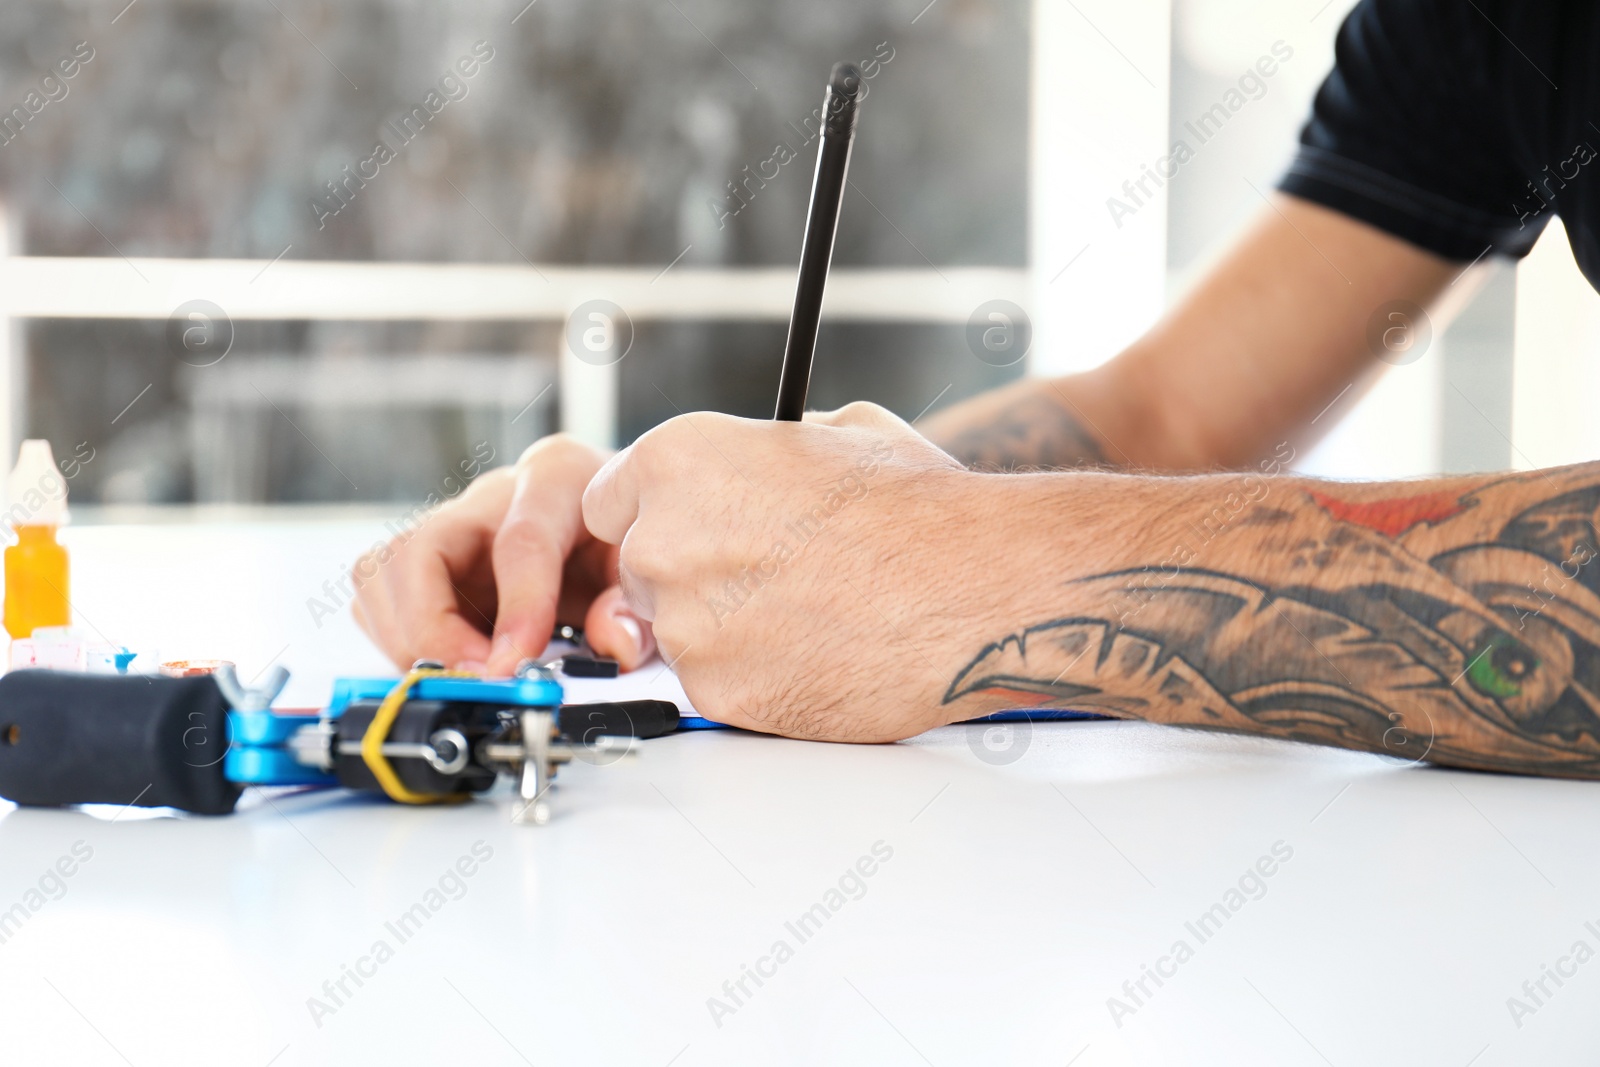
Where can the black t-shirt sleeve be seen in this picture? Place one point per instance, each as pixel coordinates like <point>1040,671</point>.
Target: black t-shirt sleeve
<point>1408,132</point>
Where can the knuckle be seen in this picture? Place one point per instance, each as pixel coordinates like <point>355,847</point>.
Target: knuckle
<point>854,413</point>
<point>864,413</point>
<point>673,636</point>
<point>860,411</point>
<point>558,448</point>
<point>681,449</point>
<point>523,543</point>
<point>669,440</point>
<point>488,482</point>
<point>646,452</point>
<point>517,532</point>
<point>641,556</point>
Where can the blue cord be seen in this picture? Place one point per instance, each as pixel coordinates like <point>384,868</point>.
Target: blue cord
<point>695,722</point>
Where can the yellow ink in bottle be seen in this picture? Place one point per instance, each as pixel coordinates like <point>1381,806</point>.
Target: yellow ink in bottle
<point>37,578</point>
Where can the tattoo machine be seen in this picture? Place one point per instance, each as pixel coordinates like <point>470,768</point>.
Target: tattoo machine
<point>433,736</point>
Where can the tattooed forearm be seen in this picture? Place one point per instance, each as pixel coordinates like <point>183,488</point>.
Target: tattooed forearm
<point>1459,625</point>
<point>1033,433</point>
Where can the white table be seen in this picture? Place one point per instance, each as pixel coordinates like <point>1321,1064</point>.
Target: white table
<point>1019,897</point>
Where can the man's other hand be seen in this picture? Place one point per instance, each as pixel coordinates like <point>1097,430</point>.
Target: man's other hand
<point>483,580</point>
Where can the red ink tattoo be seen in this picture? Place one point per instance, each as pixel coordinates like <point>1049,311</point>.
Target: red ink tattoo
<point>1396,515</point>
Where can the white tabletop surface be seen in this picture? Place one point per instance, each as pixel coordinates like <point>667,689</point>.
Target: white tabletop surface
<point>1020,892</point>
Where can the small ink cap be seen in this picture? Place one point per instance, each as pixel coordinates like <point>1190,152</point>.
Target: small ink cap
<point>844,92</point>
<point>36,491</point>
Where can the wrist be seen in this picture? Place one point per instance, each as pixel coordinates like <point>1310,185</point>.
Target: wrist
<point>1013,549</point>
<point>1068,569</point>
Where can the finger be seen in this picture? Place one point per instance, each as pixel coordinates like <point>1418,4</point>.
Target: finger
<point>371,603</point>
<point>375,608</point>
<point>614,630</point>
<point>433,608</point>
<point>611,502</point>
<point>408,591</point>
<point>542,524</point>
<point>453,641</point>
<point>374,614</point>
<point>433,578</point>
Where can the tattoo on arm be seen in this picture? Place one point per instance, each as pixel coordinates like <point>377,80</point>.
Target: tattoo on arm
<point>1034,433</point>
<point>1458,628</point>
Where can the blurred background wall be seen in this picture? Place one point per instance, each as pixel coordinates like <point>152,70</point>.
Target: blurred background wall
<point>644,138</point>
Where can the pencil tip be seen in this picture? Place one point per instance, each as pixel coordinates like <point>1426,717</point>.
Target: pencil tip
<point>845,80</point>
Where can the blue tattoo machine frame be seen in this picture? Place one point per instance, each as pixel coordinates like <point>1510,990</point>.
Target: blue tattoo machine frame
<point>431,737</point>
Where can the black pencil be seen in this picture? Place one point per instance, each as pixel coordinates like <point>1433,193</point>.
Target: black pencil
<point>839,107</point>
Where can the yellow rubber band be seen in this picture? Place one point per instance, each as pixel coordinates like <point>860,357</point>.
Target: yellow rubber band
<point>378,732</point>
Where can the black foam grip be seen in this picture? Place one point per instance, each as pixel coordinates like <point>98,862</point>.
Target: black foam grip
<point>104,739</point>
<point>623,718</point>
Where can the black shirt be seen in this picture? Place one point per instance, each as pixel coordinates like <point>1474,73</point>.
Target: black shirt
<point>1462,126</point>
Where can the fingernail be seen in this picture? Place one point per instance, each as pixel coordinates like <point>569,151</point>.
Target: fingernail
<point>501,646</point>
<point>630,626</point>
<point>472,666</point>
<point>635,631</point>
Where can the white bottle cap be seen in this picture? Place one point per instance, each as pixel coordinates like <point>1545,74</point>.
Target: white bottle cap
<point>36,492</point>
